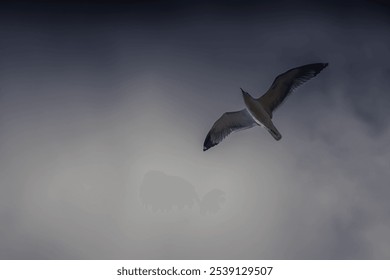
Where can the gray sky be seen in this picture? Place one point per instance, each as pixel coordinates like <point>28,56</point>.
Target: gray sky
<point>103,113</point>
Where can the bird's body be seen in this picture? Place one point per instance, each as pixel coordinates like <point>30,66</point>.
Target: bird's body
<point>259,111</point>
<point>260,114</point>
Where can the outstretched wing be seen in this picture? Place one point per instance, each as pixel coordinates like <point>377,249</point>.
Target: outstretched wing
<point>226,124</point>
<point>285,83</point>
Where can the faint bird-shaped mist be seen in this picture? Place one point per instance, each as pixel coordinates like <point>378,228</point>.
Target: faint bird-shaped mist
<point>211,201</point>
<point>160,192</point>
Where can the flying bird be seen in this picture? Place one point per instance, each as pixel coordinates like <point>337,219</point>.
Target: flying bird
<point>259,111</point>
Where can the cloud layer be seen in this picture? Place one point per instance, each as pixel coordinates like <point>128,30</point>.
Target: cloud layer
<point>90,110</point>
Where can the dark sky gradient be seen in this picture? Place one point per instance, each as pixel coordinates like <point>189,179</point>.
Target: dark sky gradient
<point>104,107</point>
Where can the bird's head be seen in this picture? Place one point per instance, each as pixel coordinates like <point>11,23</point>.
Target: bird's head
<point>244,93</point>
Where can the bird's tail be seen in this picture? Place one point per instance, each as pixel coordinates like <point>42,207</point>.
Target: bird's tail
<point>275,133</point>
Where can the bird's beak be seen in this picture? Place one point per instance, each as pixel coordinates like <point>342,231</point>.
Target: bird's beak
<point>243,92</point>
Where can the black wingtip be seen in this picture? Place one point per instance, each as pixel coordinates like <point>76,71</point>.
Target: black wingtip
<point>318,67</point>
<point>208,143</point>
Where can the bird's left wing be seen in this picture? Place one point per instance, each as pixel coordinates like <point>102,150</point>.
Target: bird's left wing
<point>285,83</point>
<point>226,124</point>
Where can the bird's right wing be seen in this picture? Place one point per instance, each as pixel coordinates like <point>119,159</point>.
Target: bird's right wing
<point>226,124</point>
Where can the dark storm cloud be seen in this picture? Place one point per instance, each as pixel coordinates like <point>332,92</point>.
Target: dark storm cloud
<point>95,98</point>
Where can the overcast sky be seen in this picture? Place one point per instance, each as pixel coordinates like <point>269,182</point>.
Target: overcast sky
<point>104,109</point>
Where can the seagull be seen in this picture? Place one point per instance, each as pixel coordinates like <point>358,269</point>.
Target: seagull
<point>259,111</point>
